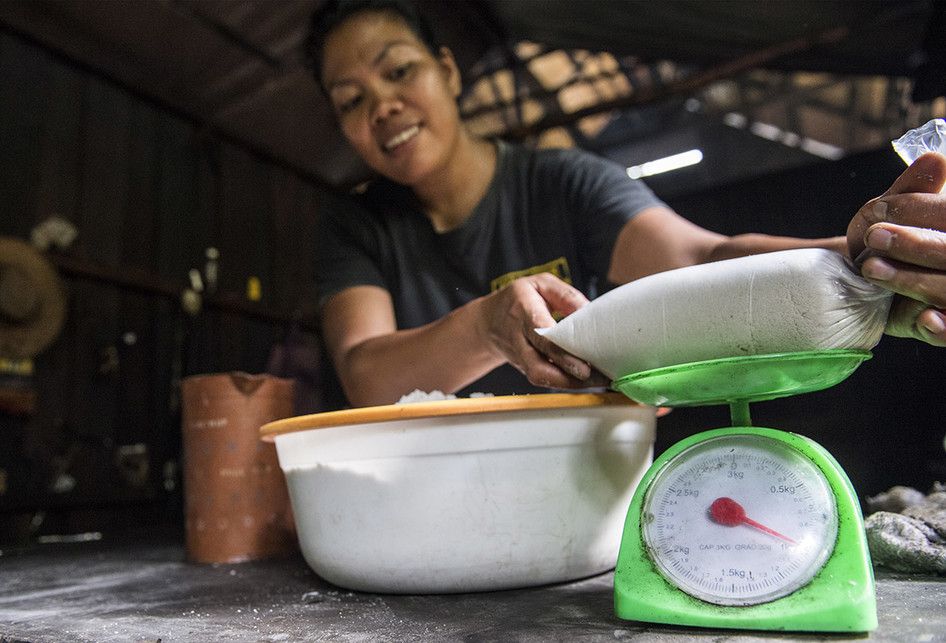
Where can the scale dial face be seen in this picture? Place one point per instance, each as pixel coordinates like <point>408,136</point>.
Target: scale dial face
<point>739,520</point>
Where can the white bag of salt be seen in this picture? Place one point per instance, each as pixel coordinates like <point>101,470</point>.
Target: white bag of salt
<point>787,301</point>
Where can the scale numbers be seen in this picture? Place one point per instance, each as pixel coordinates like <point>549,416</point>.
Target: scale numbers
<point>739,520</point>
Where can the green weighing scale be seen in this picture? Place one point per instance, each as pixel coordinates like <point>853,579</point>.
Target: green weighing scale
<point>745,527</point>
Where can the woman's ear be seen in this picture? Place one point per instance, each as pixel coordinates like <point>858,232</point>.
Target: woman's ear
<point>449,65</point>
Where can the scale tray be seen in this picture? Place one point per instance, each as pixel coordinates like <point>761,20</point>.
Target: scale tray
<point>752,378</point>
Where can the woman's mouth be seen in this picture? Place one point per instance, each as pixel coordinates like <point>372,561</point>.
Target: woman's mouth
<point>401,138</point>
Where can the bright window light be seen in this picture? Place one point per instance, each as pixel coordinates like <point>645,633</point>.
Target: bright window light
<point>765,130</point>
<point>735,119</point>
<point>666,164</point>
<point>824,150</point>
<point>791,139</point>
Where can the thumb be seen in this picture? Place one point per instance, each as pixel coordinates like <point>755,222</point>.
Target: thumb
<point>560,297</point>
<point>927,174</point>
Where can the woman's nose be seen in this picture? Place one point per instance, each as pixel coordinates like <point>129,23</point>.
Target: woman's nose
<point>386,103</point>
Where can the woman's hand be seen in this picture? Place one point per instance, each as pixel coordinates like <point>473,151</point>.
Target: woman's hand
<point>508,321</point>
<point>902,234</point>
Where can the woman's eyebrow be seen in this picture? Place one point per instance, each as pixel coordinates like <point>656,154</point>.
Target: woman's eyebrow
<point>377,60</point>
<point>387,48</point>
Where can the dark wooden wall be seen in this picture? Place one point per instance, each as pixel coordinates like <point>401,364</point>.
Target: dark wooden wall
<point>148,192</point>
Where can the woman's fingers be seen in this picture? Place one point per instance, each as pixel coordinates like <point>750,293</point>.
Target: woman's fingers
<point>563,299</point>
<point>543,370</point>
<point>924,285</point>
<point>931,326</point>
<point>923,247</point>
<point>909,257</point>
<point>916,209</point>
<point>901,239</point>
<point>914,319</point>
<point>560,297</point>
<point>529,303</point>
<point>912,200</point>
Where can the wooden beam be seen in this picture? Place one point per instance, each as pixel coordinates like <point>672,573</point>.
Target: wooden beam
<point>689,84</point>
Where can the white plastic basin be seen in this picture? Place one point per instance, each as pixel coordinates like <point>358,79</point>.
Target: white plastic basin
<point>464,495</point>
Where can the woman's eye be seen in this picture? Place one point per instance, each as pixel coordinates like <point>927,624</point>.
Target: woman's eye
<point>348,105</point>
<point>400,71</point>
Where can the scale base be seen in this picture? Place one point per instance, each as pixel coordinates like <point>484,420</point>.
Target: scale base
<point>844,615</point>
<point>840,598</point>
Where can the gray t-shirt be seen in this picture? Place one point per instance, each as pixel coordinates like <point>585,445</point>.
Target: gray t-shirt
<point>557,211</point>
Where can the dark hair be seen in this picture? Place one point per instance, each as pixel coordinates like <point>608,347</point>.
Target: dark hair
<point>332,13</point>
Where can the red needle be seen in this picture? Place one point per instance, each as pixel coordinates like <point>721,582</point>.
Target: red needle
<point>729,513</point>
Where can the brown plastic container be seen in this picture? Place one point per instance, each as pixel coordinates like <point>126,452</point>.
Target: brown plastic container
<point>235,499</point>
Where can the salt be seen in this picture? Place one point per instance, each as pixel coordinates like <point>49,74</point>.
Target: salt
<point>787,301</point>
<point>418,395</point>
<point>434,396</point>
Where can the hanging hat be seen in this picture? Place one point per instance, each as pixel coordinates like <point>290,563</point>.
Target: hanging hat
<point>32,300</point>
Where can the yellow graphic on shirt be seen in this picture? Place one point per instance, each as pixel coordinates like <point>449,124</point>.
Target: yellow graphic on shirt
<point>558,267</point>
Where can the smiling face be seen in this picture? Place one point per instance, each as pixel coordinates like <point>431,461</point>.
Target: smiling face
<point>395,101</point>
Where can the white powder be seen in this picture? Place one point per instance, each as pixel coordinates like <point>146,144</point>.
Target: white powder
<point>418,395</point>
<point>793,300</point>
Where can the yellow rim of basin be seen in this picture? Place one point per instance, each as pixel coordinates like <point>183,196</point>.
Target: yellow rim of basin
<point>440,408</point>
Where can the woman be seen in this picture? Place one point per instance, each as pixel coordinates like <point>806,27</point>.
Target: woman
<point>439,276</point>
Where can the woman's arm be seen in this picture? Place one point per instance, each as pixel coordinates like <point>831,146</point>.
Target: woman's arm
<point>376,363</point>
<point>905,230</point>
<point>659,239</point>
